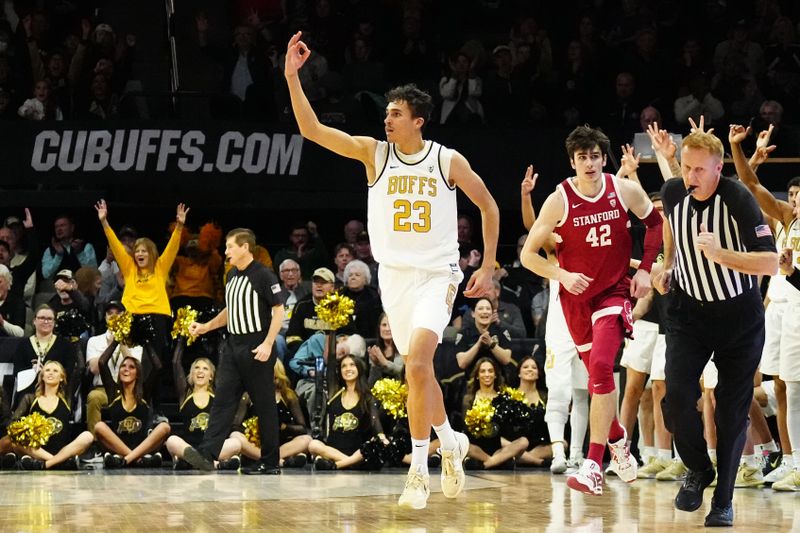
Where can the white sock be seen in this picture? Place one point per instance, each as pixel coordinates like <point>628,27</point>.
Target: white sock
<point>648,451</point>
<point>712,454</point>
<point>749,460</point>
<point>769,447</point>
<point>664,455</point>
<point>447,437</point>
<point>796,457</point>
<point>788,460</point>
<point>419,454</point>
<point>558,449</point>
<point>556,431</point>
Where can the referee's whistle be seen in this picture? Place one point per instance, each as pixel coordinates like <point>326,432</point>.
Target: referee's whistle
<point>690,189</point>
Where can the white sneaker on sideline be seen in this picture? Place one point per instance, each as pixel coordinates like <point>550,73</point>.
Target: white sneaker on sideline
<point>780,472</point>
<point>559,464</point>
<point>623,463</point>
<point>453,477</point>
<point>415,493</point>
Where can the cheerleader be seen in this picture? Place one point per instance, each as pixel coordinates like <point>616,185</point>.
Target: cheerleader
<point>293,432</point>
<point>351,420</point>
<point>50,401</point>
<point>539,448</point>
<point>485,382</point>
<point>195,391</point>
<point>127,438</point>
<point>146,274</point>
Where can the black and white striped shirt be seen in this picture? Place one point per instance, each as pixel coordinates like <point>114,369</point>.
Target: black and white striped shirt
<point>250,295</point>
<point>733,216</point>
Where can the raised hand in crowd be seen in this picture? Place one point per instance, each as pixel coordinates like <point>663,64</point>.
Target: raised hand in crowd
<point>699,127</point>
<point>180,216</point>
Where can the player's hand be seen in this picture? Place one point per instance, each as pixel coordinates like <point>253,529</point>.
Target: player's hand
<point>737,133</point>
<point>762,141</point>
<point>574,282</point>
<point>640,284</point>
<point>706,242</point>
<point>630,161</point>
<point>297,53</point>
<point>529,181</point>
<point>661,279</point>
<point>785,261</point>
<point>480,283</point>
<point>661,141</point>
<point>263,351</point>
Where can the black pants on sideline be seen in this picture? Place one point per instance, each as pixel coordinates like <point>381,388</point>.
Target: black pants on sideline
<point>238,371</point>
<point>734,331</point>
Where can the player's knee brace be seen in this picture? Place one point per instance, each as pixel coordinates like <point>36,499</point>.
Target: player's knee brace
<point>607,337</point>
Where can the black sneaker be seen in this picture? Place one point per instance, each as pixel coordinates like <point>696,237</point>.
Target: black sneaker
<point>9,461</point>
<point>150,461</point>
<point>180,464</point>
<point>690,495</point>
<point>198,461</point>
<point>112,461</point>
<point>259,468</point>
<point>720,516</point>
<point>230,464</point>
<point>73,463</point>
<point>295,461</point>
<point>29,463</point>
<point>320,463</point>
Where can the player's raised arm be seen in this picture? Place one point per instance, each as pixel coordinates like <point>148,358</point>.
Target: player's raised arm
<point>354,147</point>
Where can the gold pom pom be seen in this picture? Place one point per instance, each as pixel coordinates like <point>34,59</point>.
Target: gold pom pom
<point>392,395</point>
<point>336,310</point>
<point>120,327</point>
<point>32,431</point>
<point>479,418</point>
<point>251,431</point>
<point>514,394</point>
<point>183,319</point>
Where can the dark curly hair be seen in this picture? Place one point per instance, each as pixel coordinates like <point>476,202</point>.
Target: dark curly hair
<point>420,102</point>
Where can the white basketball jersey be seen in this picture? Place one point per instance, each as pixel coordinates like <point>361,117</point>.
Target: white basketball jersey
<point>411,208</point>
<point>779,289</point>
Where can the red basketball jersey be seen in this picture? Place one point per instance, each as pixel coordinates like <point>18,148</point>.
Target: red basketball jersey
<point>595,235</point>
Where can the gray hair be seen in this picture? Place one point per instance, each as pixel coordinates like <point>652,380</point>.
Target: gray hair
<point>6,273</point>
<point>355,264</point>
<point>286,262</point>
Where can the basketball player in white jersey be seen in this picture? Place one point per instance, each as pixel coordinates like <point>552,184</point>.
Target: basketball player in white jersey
<point>411,218</point>
<point>782,316</point>
<point>566,375</point>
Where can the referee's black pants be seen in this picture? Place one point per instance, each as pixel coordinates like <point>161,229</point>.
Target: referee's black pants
<point>733,330</point>
<point>238,371</point>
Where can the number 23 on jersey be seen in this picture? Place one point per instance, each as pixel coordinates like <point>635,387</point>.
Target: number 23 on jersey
<point>412,216</point>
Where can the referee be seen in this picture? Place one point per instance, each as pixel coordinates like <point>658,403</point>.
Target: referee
<point>715,246</point>
<point>253,306</point>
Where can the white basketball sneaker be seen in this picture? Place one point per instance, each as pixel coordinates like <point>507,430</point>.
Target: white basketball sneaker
<point>623,463</point>
<point>453,466</point>
<point>415,493</point>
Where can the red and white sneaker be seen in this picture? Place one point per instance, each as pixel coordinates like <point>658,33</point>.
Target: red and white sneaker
<point>588,478</point>
<point>623,463</point>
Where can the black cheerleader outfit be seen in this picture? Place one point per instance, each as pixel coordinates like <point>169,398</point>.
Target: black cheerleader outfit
<point>347,429</point>
<point>195,419</point>
<point>59,418</point>
<point>537,433</point>
<point>130,426</point>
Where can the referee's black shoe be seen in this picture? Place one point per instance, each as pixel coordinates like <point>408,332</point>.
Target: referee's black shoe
<point>197,459</point>
<point>720,516</point>
<point>690,495</point>
<point>260,468</point>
